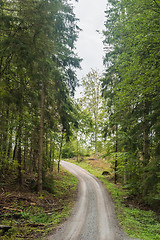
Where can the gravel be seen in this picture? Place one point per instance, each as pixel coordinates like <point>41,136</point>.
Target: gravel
<point>93,216</point>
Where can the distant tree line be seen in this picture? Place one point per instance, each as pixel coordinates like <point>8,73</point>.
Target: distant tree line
<point>37,80</point>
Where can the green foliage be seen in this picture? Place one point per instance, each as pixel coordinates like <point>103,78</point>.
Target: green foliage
<point>93,112</point>
<point>69,150</point>
<point>37,48</point>
<point>40,217</point>
<point>48,183</point>
<point>62,188</point>
<point>131,89</point>
<point>144,224</point>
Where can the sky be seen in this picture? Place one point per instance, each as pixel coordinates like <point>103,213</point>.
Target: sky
<point>89,45</point>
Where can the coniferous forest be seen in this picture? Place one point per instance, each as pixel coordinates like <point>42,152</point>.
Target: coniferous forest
<point>117,117</point>
<point>38,78</point>
<point>131,87</point>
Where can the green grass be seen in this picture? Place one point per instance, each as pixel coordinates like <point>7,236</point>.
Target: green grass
<point>135,222</point>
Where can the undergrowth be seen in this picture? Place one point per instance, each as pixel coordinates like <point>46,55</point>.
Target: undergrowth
<point>32,216</point>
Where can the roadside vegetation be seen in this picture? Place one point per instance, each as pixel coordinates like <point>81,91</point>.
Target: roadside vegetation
<point>33,216</point>
<point>136,218</point>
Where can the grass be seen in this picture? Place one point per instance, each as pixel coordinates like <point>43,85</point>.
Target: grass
<point>32,216</point>
<point>135,222</point>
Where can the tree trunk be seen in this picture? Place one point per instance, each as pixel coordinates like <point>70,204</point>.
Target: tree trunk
<point>5,133</point>
<point>95,134</point>
<point>41,140</point>
<point>125,172</point>
<point>9,151</point>
<point>50,153</point>
<point>116,163</point>
<point>30,157</point>
<point>15,147</point>
<point>25,153</point>
<point>60,151</point>
<point>146,143</point>
<point>19,158</point>
<point>77,149</point>
<point>47,144</point>
<point>19,151</point>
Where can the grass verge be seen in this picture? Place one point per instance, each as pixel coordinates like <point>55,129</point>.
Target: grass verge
<point>33,217</point>
<point>135,222</point>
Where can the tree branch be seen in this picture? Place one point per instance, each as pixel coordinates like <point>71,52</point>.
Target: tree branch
<point>7,9</point>
<point>156,3</point>
<point>155,10</point>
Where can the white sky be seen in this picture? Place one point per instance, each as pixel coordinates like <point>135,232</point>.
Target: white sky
<point>89,45</point>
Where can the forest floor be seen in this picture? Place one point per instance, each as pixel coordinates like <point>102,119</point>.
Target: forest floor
<point>31,216</point>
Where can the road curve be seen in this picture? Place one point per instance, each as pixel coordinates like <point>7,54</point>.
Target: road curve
<point>93,216</point>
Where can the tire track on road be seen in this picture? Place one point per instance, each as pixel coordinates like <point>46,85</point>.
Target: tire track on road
<point>93,216</point>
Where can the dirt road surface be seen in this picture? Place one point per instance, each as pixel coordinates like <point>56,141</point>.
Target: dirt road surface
<point>93,216</point>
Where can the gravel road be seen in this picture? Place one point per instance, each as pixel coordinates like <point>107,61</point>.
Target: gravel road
<point>93,216</point>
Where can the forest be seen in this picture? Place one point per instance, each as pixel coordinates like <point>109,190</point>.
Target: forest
<point>118,115</point>
<point>38,78</point>
<point>131,87</point>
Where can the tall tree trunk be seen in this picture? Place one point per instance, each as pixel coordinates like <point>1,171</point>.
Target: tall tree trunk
<point>125,172</point>
<point>30,157</point>
<point>40,159</point>
<point>5,133</point>
<point>95,134</point>
<point>77,149</point>
<point>19,158</point>
<point>9,151</point>
<point>146,142</point>
<point>25,153</point>
<point>34,160</point>
<point>19,151</point>
<point>50,153</point>
<point>15,146</point>
<point>50,150</point>
<point>47,144</point>
<point>60,151</point>
<point>116,150</point>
